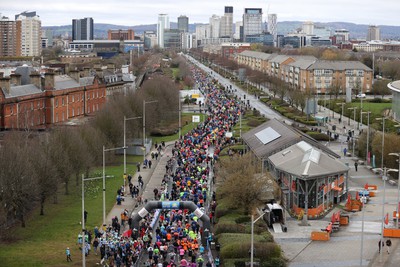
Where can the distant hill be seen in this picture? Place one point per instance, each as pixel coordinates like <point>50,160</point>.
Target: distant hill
<point>356,30</point>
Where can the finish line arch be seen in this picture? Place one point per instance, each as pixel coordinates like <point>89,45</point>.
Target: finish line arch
<point>174,205</point>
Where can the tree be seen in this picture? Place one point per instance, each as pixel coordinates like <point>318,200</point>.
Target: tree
<point>380,88</point>
<point>17,187</point>
<point>240,184</point>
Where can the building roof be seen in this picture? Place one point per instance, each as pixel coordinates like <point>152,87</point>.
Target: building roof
<point>86,81</point>
<point>394,86</point>
<point>22,90</point>
<point>64,82</point>
<point>285,136</point>
<point>302,63</point>
<point>278,58</point>
<point>304,160</point>
<point>255,54</point>
<point>338,65</point>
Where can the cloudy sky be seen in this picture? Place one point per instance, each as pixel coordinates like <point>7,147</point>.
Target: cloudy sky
<point>134,12</point>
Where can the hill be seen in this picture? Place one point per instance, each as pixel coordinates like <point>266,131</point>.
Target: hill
<point>356,30</point>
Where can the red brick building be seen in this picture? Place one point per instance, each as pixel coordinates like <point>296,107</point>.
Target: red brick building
<point>50,100</point>
<point>121,35</point>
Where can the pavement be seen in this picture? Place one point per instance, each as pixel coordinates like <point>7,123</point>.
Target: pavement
<point>152,179</point>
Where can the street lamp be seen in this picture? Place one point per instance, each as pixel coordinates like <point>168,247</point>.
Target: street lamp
<point>144,126</point>
<point>354,126</point>
<point>125,146</point>
<point>383,137</point>
<point>364,201</point>
<point>341,104</point>
<point>369,112</point>
<point>398,189</point>
<point>252,237</point>
<point>104,178</point>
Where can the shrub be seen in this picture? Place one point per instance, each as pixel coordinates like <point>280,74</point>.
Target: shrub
<point>264,251</point>
<point>243,219</point>
<point>228,228</point>
<point>318,136</point>
<point>254,123</point>
<point>274,262</point>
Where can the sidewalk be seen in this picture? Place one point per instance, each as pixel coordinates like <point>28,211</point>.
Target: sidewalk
<point>152,179</point>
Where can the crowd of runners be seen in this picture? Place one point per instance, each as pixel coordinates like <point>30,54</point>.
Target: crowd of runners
<point>171,238</point>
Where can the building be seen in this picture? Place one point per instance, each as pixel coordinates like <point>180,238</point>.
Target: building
<point>9,41</point>
<point>238,25</point>
<point>150,39</point>
<point>344,34</point>
<point>202,33</point>
<point>273,27</point>
<point>188,40</point>
<point>215,26</point>
<point>82,29</point>
<point>162,24</point>
<point>107,48</point>
<point>172,39</point>
<point>183,23</point>
<point>252,22</point>
<point>373,33</point>
<point>121,34</point>
<point>395,87</point>
<point>29,31</point>
<point>227,23</point>
<point>294,159</point>
<point>308,27</point>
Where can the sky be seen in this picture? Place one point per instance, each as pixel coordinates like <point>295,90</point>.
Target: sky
<point>134,12</point>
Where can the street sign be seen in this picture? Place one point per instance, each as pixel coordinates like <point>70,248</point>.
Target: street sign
<point>195,118</point>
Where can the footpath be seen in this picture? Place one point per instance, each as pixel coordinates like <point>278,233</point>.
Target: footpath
<point>152,178</point>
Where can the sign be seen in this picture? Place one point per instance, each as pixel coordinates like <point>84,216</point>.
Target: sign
<point>228,134</point>
<point>143,212</point>
<point>170,205</point>
<point>198,213</point>
<point>195,118</point>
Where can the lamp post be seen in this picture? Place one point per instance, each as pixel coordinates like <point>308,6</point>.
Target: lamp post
<point>354,126</point>
<point>180,115</point>
<point>383,137</point>
<point>364,201</point>
<point>104,178</point>
<point>398,189</point>
<point>125,146</point>
<point>341,104</point>
<point>144,126</point>
<point>252,238</point>
<point>369,112</point>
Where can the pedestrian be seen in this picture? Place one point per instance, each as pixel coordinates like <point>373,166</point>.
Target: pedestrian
<point>149,163</point>
<point>95,245</point>
<point>344,151</point>
<point>388,245</point>
<point>138,167</point>
<point>380,244</point>
<point>140,181</point>
<point>68,253</point>
<point>155,191</point>
<point>356,165</point>
<point>85,213</point>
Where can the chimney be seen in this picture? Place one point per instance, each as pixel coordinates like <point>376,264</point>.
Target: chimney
<point>74,74</point>
<point>111,67</point>
<point>5,84</point>
<point>36,79</point>
<point>86,72</point>
<point>15,79</point>
<point>99,73</point>
<point>49,81</point>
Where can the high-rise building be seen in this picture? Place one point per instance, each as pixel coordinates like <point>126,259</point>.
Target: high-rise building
<point>183,23</point>
<point>82,29</point>
<point>374,33</point>
<point>121,34</point>
<point>215,25</point>
<point>163,23</point>
<point>227,23</point>
<point>8,40</point>
<point>308,27</point>
<point>29,31</point>
<point>252,21</point>
<point>273,27</point>
<point>238,24</point>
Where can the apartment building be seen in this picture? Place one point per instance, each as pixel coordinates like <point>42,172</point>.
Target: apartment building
<point>29,34</point>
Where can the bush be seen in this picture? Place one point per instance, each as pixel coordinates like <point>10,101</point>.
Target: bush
<point>254,123</point>
<point>229,228</point>
<point>318,136</point>
<point>264,251</point>
<point>243,219</point>
<point>274,262</point>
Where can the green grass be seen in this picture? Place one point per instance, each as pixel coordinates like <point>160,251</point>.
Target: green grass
<point>175,72</point>
<point>44,239</point>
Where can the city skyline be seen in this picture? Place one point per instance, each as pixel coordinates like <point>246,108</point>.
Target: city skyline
<point>56,13</point>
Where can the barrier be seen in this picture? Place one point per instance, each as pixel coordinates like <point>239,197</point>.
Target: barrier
<point>320,236</point>
<point>391,232</point>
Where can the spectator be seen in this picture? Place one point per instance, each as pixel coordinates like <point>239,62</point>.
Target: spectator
<point>68,253</point>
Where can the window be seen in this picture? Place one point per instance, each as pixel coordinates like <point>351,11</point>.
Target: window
<point>63,101</point>
<point>56,102</point>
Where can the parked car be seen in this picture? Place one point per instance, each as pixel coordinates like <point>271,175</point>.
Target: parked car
<point>361,96</point>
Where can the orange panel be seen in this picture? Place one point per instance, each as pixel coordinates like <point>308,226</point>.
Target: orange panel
<point>320,236</point>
